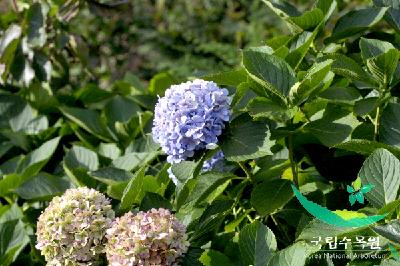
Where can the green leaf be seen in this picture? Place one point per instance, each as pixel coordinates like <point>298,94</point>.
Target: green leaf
<point>28,122</point>
<point>389,231</point>
<point>109,150</point>
<point>228,78</point>
<point>299,46</point>
<point>43,186</point>
<point>309,19</point>
<point>257,244</point>
<point>357,21</point>
<point>300,91</point>
<point>206,184</point>
<point>294,255</point>
<point>121,109</point>
<point>372,47</point>
<point>334,127</point>
<point>383,66</point>
<point>81,157</point>
<point>246,139</point>
<point>347,95</point>
<point>14,237</point>
<point>210,221</point>
<point>392,16</point>
<point>154,200</point>
<point>8,46</point>
<point>111,175</point>
<point>263,107</point>
<point>77,162</point>
<point>36,24</point>
<point>285,11</point>
<point>134,160</point>
<point>214,258</point>
<point>279,193</point>
<point>89,120</point>
<point>381,169</point>
<point>270,71</point>
<point>347,67</point>
<point>366,147</point>
<point>35,160</point>
<point>160,82</point>
<point>319,228</point>
<point>133,191</point>
<point>389,128</point>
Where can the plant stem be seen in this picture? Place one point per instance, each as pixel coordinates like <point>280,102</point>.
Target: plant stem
<point>376,123</point>
<point>292,162</point>
<point>246,171</point>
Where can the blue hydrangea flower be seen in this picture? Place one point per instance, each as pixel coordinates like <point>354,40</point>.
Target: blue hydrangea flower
<point>190,117</point>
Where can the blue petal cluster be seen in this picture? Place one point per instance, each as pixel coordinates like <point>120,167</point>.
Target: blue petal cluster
<point>190,117</point>
<point>214,163</point>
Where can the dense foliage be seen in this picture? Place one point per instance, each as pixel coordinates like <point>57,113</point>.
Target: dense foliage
<point>317,107</point>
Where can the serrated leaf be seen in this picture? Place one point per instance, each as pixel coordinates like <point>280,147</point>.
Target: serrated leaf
<point>206,184</point>
<point>133,191</point>
<point>81,157</point>
<point>331,130</point>
<point>390,231</point>
<point>111,175</point>
<point>160,82</point>
<point>43,186</point>
<point>357,21</point>
<point>299,46</point>
<point>89,120</point>
<point>257,244</point>
<point>366,147</point>
<point>214,258</point>
<point>228,78</point>
<point>372,47</point>
<point>264,107</point>
<point>246,139</point>
<point>309,19</point>
<point>383,66</point>
<point>381,169</point>
<point>270,71</point>
<point>35,160</point>
<point>8,47</point>
<point>134,160</point>
<point>36,24</point>
<point>389,128</point>
<point>294,255</point>
<point>392,16</point>
<point>120,109</point>
<point>347,67</point>
<point>300,91</point>
<point>279,193</point>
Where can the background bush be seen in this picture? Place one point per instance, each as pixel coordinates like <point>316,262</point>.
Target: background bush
<point>315,93</point>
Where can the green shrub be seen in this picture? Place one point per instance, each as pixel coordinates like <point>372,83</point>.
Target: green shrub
<point>315,109</point>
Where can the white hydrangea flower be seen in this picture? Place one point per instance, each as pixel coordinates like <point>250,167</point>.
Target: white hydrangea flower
<point>148,238</point>
<point>71,229</point>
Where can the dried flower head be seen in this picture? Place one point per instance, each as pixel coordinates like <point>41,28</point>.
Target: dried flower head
<point>190,117</point>
<point>149,238</point>
<point>71,230</point>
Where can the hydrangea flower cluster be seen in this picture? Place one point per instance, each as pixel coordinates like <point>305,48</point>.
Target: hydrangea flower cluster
<point>149,238</point>
<point>71,229</point>
<point>190,117</point>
